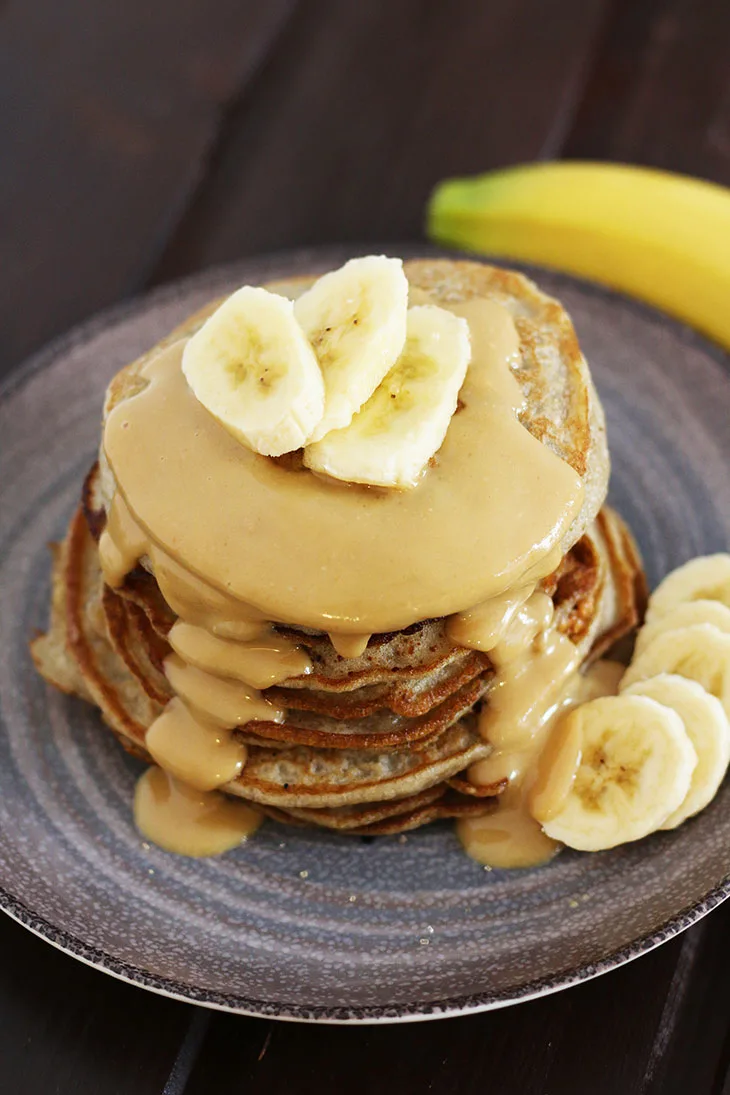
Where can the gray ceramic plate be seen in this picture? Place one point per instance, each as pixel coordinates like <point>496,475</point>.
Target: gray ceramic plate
<point>315,926</point>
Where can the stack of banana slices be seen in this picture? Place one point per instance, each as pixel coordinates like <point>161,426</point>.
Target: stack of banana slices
<point>365,385</point>
<point>656,754</point>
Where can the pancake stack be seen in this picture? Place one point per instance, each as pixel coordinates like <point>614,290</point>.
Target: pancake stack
<point>379,743</point>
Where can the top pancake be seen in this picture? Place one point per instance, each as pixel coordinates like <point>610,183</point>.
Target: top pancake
<point>561,409</point>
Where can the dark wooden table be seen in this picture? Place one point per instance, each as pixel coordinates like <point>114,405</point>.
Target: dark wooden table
<point>144,139</point>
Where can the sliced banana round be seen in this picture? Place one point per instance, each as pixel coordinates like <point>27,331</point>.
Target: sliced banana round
<point>705,578</point>
<point>252,368</point>
<point>635,769</point>
<point>355,318</point>
<point>700,652</point>
<point>709,731</point>
<point>391,440</point>
<point>684,615</point>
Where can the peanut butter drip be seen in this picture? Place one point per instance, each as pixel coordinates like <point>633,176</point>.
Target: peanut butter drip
<point>219,664</point>
<point>507,838</point>
<point>553,774</point>
<point>523,720</point>
<point>122,543</point>
<point>349,646</point>
<point>304,550</point>
<point>481,627</point>
<point>184,820</point>
<point>194,750</point>
<point>222,701</point>
<point>260,662</point>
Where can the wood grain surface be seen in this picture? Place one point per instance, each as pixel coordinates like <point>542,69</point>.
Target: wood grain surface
<point>142,141</point>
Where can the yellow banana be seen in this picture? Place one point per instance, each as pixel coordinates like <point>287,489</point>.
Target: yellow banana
<point>661,237</point>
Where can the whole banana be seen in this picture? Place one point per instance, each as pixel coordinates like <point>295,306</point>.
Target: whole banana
<point>655,235</point>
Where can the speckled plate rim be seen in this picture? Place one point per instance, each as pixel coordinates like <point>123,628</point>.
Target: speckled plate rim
<point>344,1016</point>
<point>419,1011</point>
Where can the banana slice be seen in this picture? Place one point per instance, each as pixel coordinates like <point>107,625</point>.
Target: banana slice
<point>709,731</point>
<point>404,422</point>
<point>355,318</point>
<point>635,769</point>
<point>684,615</point>
<point>705,578</point>
<point>700,653</point>
<point>253,369</point>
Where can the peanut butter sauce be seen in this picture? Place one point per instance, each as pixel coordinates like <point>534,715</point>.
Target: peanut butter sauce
<point>481,627</point>
<point>199,603</point>
<point>220,662</point>
<point>528,732</point>
<point>193,750</point>
<point>189,822</point>
<point>520,701</point>
<point>530,627</point>
<point>238,542</point>
<point>122,543</point>
<point>507,838</point>
<point>349,646</point>
<point>260,663</point>
<point>222,701</point>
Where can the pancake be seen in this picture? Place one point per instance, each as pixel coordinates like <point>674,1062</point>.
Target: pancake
<point>375,731</point>
<point>78,635</point>
<point>438,803</point>
<point>562,409</point>
<point>381,742</point>
<point>51,651</point>
<point>415,696</point>
<point>302,776</point>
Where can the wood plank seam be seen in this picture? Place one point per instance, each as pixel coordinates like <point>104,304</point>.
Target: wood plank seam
<point>219,140</point>
<point>673,1005</point>
<point>616,69</point>
<point>187,1054</point>
<point>575,92</point>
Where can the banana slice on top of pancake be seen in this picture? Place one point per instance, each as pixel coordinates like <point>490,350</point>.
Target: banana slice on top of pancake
<point>403,424</point>
<point>355,319</point>
<point>253,369</point>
